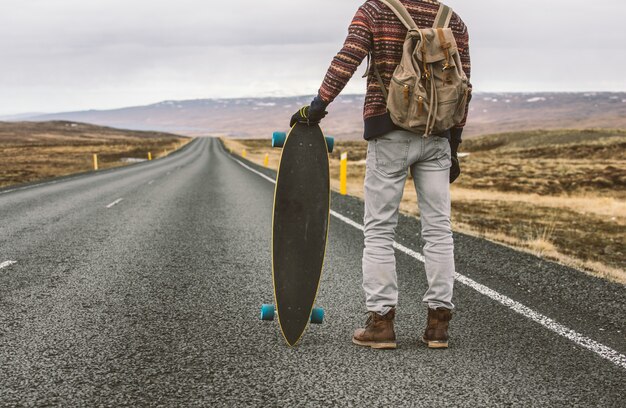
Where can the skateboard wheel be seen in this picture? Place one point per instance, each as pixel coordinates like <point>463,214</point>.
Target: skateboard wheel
<point>317,315</point>
<point>330,142</point>
<point>278,139</point>
<point>267,312</point>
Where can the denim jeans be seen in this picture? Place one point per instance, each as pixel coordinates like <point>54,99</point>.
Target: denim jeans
<point>389,158</point>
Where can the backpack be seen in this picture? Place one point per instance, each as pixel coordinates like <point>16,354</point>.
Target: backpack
<point>429,89</point>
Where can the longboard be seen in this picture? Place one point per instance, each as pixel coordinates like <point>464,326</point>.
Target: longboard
<point>299,229</point>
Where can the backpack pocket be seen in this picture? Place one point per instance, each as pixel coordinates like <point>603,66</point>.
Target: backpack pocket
<point>447,106</point>
<point>459,114</point>
<point>419,112</point>
<point>399,99</point>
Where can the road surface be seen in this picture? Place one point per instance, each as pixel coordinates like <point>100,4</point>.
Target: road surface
<point>141,286</point>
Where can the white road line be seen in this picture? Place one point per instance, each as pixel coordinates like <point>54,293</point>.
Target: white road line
<point>585,342</point>
<point>7,263</point>
<point>35,185</point>
<point>116,202</point>
<point>271,180</point>
<point>598,348</point>
<point>150,182</point>
<point>47,183</point>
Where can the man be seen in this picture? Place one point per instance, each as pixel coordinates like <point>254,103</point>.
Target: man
<point>391,153</point>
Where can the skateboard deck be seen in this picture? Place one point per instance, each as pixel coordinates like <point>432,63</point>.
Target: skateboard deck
<point>300,228</point>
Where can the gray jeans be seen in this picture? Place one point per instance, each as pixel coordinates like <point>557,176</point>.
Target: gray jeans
<point>389,158</point>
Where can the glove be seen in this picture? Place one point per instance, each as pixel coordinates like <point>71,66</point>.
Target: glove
<point>455,170</point>
<point>308,115</point>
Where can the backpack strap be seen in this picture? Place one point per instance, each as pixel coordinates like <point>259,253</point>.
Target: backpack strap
<point>381,83</point>
<point>402,13</point>
<point>405,18</point>
<point>443,17</point>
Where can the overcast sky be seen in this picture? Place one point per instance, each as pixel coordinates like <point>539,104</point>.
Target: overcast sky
<point>58,55</point>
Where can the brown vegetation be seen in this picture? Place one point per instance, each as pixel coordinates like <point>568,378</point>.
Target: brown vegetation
<point>31,151</point>
<point>571,162</point>
<point>558,194</point>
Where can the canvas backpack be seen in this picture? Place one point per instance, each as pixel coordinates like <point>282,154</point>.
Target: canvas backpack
<point>429,89</point>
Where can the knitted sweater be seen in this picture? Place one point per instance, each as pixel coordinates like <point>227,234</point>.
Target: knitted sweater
<point>376,29</point>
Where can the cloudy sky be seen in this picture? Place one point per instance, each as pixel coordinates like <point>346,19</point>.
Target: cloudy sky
<point>58,55</point>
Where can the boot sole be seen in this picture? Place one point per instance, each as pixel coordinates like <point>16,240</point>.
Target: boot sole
<point>435,344</point>
<point>375,344</point>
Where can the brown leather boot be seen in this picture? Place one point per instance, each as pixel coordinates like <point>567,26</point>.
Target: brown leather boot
<point>436,334</point>
<point>378,332</point>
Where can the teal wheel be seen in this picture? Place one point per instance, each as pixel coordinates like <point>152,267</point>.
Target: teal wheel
<point>267,312</point>
<point>317,315</point>
<point>330,142</point>
<point>278,139</point>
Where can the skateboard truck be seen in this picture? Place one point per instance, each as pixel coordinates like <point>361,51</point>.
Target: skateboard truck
<point>268,313</point>
<point>278,140</point>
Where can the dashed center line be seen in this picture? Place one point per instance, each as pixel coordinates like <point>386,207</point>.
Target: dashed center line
<point>600,349</point>
<point>7,263</point>
<point>116,202</point>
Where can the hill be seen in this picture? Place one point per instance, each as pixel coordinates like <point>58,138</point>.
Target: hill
<point>58,132</point>
<point>32,151</point>
<point>572,139</point>
<point>257,118</point>
<point>580,162</point>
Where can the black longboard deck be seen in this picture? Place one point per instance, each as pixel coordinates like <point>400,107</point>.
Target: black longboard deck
<point>300,227</point>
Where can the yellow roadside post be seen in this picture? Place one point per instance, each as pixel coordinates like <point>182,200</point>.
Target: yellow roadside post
<point>343,174</point>
<point>149,155</point>
<point>266,162</point>
<point>244,154</point>
<point>95,162</point>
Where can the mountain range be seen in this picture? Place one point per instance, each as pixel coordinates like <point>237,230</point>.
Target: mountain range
<point>259,117</point>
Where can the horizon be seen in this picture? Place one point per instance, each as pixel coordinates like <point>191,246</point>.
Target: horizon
<point>6,115</point>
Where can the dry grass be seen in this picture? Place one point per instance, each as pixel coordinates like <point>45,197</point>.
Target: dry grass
<point>594,268</point>
<point>554,163</point>
<point>584,203</point>
<point>36,151</point>
<point>579,222</point>
<point>541,244</point>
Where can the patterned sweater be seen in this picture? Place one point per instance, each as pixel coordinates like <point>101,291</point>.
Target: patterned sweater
<point>375,28</point>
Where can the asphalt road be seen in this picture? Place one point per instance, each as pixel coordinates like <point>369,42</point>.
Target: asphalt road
<point>154,300</point>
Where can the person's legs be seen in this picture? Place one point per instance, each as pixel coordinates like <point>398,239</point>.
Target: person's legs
<point>431,178</point>
<point>386,170</point>
<point>385,177</point>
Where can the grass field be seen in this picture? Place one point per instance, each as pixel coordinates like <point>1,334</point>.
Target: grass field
<point>558,194</point>
<point>32,151</point>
